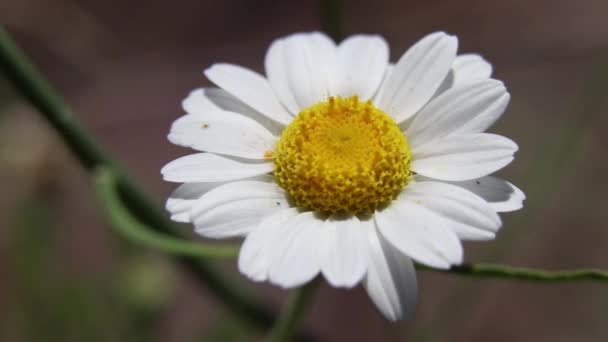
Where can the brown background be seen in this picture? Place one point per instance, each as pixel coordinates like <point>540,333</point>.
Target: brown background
<point>124,67</point>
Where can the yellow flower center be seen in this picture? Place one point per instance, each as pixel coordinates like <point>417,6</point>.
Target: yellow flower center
<point>342,156</point>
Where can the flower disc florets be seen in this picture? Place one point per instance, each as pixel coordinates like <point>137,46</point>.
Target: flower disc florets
<point>342,156</point>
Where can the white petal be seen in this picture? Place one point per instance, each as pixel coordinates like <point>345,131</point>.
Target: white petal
<point>183,198</point>
<point>466,68</point>
<point>234,219</point>
<point>500,194</point>
<point>388,71</point>
<point>209,167</point>
<point>448,82</point>
<point>468,108</point>
<point>420,233</point>
<point>391,279</point>
<point>296,256</point>
<point>204,100</point>
<point>467,214</point>
<point>463,157</point>
<point>470,67</point>
<point>346,260</point>
<point>299,67</point>
<point>278,75</point>
<point>236,191</point>
<point>197,103</point>
<point>254,259</point>
<point>417,75</point>
<point>249,87</point>
<point>180,202</point>
<point>223,132</point>
<point>361,63</point>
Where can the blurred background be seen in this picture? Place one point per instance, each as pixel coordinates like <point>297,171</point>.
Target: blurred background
<point>125,66</point>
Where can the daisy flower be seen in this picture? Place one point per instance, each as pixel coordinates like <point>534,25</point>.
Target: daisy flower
<point>339,163</point>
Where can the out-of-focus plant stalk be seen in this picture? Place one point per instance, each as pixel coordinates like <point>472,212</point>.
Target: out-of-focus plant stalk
<point>34,87</point>
<point>293,312</point>
<point>330,18</point>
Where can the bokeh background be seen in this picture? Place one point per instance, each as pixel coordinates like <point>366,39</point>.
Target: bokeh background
<point>124,67</point>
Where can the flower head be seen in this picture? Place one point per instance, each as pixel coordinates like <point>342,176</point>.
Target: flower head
<point>340,163</point>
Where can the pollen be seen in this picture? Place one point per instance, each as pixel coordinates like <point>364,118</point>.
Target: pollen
<point>342,156</point>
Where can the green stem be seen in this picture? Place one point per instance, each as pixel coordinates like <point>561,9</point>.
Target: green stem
<point>131,229</point>
<point>41,94</point>
<point>293,312</point>
<point>525,274</point>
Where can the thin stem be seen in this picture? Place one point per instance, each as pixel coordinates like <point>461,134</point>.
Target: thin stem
<point>131,229</point>
<point>34,87</point>
<point>524,274</point>
<point>293,312</point>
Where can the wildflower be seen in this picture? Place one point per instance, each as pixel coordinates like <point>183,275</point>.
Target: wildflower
<point>342,164</point>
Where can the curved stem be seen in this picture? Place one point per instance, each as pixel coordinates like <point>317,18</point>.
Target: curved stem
<point>521,273</point>
<point>293,312</point>
<point>131,229</point>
